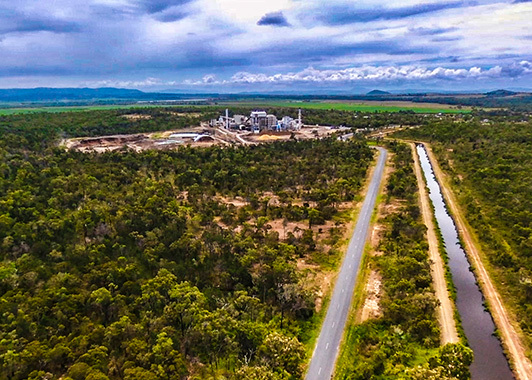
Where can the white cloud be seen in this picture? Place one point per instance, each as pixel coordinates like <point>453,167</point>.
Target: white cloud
<point>148,82</point>
<point>372,74</point>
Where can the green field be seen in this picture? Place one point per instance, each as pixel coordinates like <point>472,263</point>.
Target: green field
<point>11,111</point>
<point>318,105</point>
<point>352,106</point>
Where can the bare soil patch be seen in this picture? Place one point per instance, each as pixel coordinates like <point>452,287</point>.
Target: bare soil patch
<point>371,308</point>
<point>136,116</point>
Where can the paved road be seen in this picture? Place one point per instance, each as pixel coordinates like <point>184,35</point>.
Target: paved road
<point>326,352</point>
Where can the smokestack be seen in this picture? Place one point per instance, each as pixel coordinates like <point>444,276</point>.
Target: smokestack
<point>226,118</point>
<point>299,118</point>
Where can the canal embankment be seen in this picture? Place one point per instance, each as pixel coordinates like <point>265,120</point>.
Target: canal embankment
<point>489,362</point>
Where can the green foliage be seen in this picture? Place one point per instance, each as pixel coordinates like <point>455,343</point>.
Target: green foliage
<point>384,348</point>
<point>450,363</point>
<point>490,163</point>
<point>131,265</point>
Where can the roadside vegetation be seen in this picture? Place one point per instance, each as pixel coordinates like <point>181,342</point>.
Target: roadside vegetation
<point>403,342</point>
<point>193,263</point>
<point>490,164</point>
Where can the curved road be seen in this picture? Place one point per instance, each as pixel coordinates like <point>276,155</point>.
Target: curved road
<point>324,358</point>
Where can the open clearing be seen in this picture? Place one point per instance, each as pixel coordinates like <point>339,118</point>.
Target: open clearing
<point>172,139</point>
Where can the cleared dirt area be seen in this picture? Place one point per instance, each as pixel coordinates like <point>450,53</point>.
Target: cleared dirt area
<point>445,310</point>
<point>521,365</point>
<point>199,136</point>
<point>371,308</point>
<point>321,280</point>
<point>136,116</point>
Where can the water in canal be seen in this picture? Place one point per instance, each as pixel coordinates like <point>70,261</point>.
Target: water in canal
<point>489,361</point>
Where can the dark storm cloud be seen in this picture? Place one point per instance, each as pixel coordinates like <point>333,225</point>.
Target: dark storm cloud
<point>517,69</point>
<point>319,50</point>
<point>274,19</point>
<point>447,39</point>
<point>16,22</point>
<point>172,15</point>
<point>349,14</point>
<point>35,70</point>
<point>156,6</point>
<point>440,60</point>
<point>432,31</point>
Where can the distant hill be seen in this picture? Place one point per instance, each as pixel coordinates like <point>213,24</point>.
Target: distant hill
<point>57,94</point>
<point>45,94</point>
<point>500,93</point>
<point>378,92</point>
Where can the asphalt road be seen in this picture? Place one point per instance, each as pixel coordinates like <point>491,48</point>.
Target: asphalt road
<point>326,352</point>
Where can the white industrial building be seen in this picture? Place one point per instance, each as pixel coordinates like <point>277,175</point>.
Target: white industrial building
<point>258,120</point>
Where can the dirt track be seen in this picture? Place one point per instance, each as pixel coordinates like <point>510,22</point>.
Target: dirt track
<point>445,311</point>
<point>521,365</point>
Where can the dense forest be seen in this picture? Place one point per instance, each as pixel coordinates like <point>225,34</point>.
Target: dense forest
<point>490,164</point>
<point>403,343</point>
<point>42,127</point>
<point>163,264</point>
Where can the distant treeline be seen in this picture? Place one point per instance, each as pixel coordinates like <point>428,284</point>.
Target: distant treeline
<point>88,96</point>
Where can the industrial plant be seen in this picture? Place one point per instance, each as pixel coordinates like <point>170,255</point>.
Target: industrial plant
<point>257,122</point>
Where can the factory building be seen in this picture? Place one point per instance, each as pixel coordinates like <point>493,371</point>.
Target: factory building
<point>271,121</point>
<point>258,120</point>
<point>239,119</point>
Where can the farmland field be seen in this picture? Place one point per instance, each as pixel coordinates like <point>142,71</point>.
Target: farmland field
<point>363,106</point>
<point>11,111</point>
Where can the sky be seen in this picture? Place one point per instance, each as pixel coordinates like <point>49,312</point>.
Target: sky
<point>335,46</point>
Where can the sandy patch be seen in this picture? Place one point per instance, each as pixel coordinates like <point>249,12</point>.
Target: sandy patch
<point>371,308</point>
<point>137,116</point>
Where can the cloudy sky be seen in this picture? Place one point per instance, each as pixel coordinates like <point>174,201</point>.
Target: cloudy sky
<point>272,45</point>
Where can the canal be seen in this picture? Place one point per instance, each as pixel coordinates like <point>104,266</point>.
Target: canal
<point>489,362</point>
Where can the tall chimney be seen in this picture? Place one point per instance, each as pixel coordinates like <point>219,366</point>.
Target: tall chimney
<point>226,118</point>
